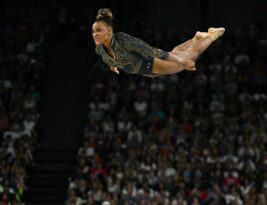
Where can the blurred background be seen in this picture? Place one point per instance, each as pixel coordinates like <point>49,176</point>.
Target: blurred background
<point>72,132</point>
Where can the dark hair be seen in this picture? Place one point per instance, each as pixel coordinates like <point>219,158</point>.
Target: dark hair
<point>106,16</point>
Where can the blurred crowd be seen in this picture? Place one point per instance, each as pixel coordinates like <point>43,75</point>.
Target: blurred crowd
<point>21,67</point>
<point>195,138</point>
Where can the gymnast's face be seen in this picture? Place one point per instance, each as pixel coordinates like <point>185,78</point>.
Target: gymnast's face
<point>101,33</point>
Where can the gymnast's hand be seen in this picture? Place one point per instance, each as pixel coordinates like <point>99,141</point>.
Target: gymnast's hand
<point>115,70</point>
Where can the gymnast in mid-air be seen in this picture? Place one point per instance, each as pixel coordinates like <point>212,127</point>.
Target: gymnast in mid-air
<point>121,51</point>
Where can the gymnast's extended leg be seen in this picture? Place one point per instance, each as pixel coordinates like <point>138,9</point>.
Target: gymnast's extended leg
<point>184,46</point>
<point>188,56</point>
<point>198,44</point>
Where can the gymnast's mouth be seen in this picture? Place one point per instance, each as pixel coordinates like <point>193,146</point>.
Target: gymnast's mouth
<point>96,37</point>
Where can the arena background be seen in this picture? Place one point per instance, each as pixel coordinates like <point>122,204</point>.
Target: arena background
<point>62,110</point>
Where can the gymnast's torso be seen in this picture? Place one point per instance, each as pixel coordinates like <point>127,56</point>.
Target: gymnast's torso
<point>130,54</point>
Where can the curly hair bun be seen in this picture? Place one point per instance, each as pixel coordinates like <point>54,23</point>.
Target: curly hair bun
<point>104,13</point>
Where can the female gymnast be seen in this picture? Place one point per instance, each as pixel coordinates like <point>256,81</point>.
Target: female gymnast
<point>132,55</point>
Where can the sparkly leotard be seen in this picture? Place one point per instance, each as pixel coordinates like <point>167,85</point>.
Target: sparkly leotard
<point>131,54</point>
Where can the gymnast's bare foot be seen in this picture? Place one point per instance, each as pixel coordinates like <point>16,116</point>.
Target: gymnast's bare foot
<point>190,65</point>
<point>199,35</point>
<point>215,33</point>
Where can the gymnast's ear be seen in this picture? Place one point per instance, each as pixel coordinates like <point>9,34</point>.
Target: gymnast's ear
<point>110,30</point>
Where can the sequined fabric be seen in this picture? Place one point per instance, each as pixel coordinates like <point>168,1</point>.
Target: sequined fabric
<point>129,52</point>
